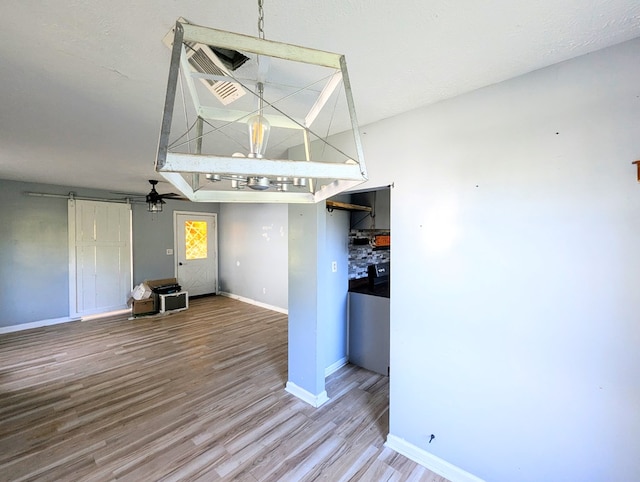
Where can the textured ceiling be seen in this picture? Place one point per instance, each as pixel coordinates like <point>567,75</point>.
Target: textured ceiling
<point>82,82</point>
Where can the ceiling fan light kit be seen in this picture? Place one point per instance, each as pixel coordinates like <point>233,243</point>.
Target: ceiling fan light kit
<point>155,200</point>
<point>155,207</point>
<point>259,129</point>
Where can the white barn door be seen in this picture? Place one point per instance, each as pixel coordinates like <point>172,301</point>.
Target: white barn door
<point>100,273</point>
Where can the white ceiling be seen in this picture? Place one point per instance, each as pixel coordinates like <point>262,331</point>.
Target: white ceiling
<point>82,82</point>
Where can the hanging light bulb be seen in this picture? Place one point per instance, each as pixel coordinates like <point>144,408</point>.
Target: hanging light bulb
<point>259,129</point>
<point>258,135</point>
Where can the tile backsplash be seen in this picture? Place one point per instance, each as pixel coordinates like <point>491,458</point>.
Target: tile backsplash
<point>362,255</point>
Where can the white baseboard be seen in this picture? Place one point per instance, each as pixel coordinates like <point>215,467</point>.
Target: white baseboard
<point>254,302</point>
<point>36,324</point>
<point>97,316</point>
<point>305,396</point>
<point>430,461</point>
<point>57,321</point>
<point>334,367</point>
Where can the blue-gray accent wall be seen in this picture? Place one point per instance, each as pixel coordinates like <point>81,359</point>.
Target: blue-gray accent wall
<point>34,248</point>
<point>34,255</point>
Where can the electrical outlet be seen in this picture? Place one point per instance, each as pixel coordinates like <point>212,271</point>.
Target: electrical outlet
<point>264,291</point>
<point>334,266</point>
<point>169,252</point>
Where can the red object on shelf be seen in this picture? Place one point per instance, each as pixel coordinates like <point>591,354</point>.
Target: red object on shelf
<point>382,240</point>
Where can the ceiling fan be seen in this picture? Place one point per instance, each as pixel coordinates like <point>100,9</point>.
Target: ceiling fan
<point>155,200</point>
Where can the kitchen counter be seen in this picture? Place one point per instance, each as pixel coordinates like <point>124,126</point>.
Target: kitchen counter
<point>362,286</point>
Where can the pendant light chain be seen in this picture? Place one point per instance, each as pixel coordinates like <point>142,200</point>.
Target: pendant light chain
<point>261,19</point>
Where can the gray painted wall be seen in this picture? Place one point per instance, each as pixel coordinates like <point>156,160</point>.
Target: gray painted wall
<point>253,243</point>
<point>34,256</point>
<point>317,294</point>
<point>34,252</point>
<point>335,288</point>
<point>307,270</point>
<point>514,304</point>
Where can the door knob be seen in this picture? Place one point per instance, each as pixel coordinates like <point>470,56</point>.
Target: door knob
<point>180,263</point>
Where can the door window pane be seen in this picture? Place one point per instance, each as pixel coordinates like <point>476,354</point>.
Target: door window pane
<point>195,233</point>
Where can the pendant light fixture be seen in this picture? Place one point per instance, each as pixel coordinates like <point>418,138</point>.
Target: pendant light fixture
<point>278,120</point>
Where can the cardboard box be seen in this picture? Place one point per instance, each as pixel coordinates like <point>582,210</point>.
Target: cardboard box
<point>144,307</point>
<point>144,301</point>
<point>160,282</point>
<point>141,292</point>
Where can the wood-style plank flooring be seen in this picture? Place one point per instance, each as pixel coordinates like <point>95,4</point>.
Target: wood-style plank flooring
<point>194,395</point>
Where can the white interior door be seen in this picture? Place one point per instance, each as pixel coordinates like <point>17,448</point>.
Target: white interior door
<point>196,245</point>
<point>99,256</point>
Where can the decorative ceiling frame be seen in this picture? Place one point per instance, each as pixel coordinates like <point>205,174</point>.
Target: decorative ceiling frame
<point>325,178</point>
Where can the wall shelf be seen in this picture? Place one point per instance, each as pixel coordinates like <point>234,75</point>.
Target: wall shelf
<point>331,205</point>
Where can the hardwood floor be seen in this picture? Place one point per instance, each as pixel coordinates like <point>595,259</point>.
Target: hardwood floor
<point>194,395</point>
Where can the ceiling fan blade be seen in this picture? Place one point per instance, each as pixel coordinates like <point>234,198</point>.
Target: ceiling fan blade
<point>173,196</point>
<point>128,194</point>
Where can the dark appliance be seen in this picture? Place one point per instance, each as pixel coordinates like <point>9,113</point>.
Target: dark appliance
<point>167,289</point>
<point>163,288</point>
<point>379,274</point>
